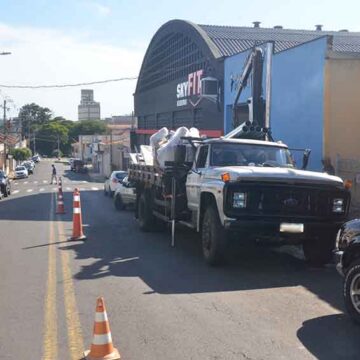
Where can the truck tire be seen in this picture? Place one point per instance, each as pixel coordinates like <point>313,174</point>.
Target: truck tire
<point>147,221</point>
<point>214,237</point>
<point>319,251</point>
<point>352,291</point>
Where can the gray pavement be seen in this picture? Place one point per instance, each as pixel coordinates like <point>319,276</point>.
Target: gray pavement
<point>163,303</point>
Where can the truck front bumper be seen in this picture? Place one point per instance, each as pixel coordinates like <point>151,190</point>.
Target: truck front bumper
<point>274,228</point>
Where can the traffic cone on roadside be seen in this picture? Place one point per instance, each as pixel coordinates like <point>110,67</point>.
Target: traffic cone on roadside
<point>77,233</point>
<point>101,347</point>
<point>60,204</point>
<point>60,192</point>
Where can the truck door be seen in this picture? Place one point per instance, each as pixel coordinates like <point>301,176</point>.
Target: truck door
<point>194,178</point>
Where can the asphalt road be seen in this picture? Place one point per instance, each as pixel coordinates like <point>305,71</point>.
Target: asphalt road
<point>163,303</point>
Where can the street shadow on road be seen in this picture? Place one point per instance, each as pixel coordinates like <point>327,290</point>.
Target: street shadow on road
<point>26,208</point>
<point>339,339</point>
<point>117,245</point>
<point>73,176</point>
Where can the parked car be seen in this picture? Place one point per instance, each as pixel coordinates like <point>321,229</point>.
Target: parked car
<point>114,180</point>
<point>347,255</point>
<point>29,166</point>
<point>125,195</point>
<point>21,172</point>
<point>78,166</point>
<point>36,158</point>
<point>5,186</point>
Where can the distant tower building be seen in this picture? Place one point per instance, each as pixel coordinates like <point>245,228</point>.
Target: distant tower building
<point>88,108</point>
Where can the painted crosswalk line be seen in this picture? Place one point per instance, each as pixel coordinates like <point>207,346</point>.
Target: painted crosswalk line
<point>15,192</point>
<point>29,190</point>
<point>41,189</point>
<point>94,188</point>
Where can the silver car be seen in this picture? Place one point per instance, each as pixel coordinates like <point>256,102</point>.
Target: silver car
<point>113,182</point>
<point>21,172</point>
<point>125,195</point>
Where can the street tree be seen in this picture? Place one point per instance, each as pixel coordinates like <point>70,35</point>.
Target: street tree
<point>87,127</point>
<point>21,154</point>
<point>32,116</point>
<point>51,135</point>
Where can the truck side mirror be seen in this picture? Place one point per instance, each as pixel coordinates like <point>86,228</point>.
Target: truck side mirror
<point>306,157</point>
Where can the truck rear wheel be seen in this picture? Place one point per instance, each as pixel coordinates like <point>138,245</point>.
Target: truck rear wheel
<point>319,251</point>
<point>214,237</point>
<point>352,291</point>
<point>146,219</point>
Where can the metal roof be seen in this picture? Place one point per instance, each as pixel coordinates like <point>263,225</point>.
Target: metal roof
<point>231,40</point>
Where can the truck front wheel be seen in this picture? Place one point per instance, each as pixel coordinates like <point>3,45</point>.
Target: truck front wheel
<point>214,237</point>
<point>318,251</point>
<point>145,216</point>
<point>352,291</point>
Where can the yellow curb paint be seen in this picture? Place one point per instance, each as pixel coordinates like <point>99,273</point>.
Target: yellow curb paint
<point>75,337</point>
<point>50,322</point>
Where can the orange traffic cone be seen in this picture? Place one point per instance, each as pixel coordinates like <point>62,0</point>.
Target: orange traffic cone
<point>60,204</point>
<point>101,347</point>
<point>77,233</point>
<point>60,192</point>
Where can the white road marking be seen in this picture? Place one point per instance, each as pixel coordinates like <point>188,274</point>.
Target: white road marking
<point>44,181</point>
<point>94,188</point>
<point>25,182</point>
<point>82,189</point>
<point>29,190</point>
<point>84,182</point>
<point>41,189</point>
<point>35,182</point>
<point>15,192</point>
<point>16,183</point>
<point>68,189</point>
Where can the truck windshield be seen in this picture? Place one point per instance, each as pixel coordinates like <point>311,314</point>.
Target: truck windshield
<point>249,155</point>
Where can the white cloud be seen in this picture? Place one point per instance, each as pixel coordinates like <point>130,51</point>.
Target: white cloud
<point>102,9</point>
<point>45,56</point>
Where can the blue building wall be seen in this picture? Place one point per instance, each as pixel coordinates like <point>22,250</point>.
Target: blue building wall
<point>297,97</point>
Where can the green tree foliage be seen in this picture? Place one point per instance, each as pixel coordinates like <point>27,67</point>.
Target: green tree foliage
<point>49,134</point>
<point>32,116</point>
<point>21,154</point>
<point>36,121</point>
<point>87,127</point>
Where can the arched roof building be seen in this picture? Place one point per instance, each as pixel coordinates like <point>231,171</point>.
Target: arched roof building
<point>181,52</point>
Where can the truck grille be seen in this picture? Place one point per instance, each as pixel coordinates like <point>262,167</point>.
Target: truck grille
<point>285,200</point>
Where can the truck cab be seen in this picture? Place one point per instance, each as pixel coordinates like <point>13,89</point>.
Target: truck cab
<point>252,188</point>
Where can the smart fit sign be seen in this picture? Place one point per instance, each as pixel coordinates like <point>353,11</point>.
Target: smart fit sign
<point>190,89</point>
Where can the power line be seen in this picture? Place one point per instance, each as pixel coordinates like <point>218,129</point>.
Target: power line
<point>164,70</point>
<point>66,85</point>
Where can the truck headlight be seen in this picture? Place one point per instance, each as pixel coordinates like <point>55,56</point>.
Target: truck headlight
<point>239,200</point>
<point>338,206</point>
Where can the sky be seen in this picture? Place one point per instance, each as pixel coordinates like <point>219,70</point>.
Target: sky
<point>75,41</point>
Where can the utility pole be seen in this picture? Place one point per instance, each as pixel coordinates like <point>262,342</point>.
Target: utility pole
<point>5,138</point>
<point>34,142</point>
